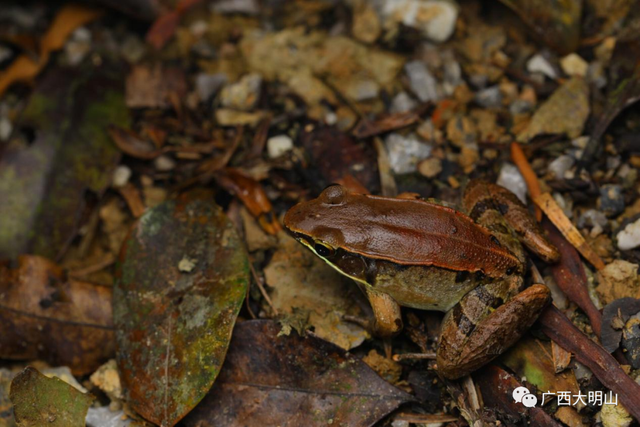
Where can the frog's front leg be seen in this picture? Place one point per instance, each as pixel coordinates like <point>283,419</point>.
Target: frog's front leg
<point>480,327</point>
<point>387,313</point>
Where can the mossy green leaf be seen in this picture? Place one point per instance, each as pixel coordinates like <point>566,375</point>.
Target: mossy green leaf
<point>181,280</point>
<point>42,401</point>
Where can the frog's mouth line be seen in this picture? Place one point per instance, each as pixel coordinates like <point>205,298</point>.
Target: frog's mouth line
<point>310,244</point>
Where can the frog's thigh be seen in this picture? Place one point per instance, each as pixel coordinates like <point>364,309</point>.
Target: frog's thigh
<point>388,317</point>
<point>467,343</point>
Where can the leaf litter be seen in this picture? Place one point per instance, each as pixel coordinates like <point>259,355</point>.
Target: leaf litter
<point>266,106</point>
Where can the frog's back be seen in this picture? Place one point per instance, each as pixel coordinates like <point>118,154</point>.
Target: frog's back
<point>407,232</point>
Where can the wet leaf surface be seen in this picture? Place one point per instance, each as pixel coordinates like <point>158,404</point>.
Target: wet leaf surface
<point>42,185</point>
<point>43,314</point>
<point>42,401</point>
<point>182,278</point>
<point>293,381</point>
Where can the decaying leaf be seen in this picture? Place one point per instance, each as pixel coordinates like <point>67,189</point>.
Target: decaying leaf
<point>614,317</point>
<point>293,381</point>
<point>565,112</point>
<point>42,185</point>
<point>41,401</point>
<point>301,280</point>
<point>497,386</point>
<point>152,86</point>
<point>25,68</point>
<point>181,280</point>
<point>45,315</point>
<point>555,22</point>
<point>532,359</point>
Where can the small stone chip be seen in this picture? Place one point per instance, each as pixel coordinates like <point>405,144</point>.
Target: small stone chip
<point>186,264</point>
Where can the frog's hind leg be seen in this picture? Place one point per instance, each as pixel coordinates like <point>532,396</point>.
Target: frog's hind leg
<point>480,327</point>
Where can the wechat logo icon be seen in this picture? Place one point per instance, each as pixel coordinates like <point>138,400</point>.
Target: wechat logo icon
<point>522,395</point>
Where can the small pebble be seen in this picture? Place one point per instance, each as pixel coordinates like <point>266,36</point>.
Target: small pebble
<point>539,64</point>
<point>430,168</point>
<point>422,82</point>
<point>405,152</point>
<point>436,19</point>
<point>164,163</point>
<point>5,53</point>
<point>186,265</point>
<point>279,145</point>
<point>629,237</point>
<point>520,106</point>
<point>560,165</point>
<point>363,90</point>
<point>6,127</point>
<point>592,218</point>
<point>402,102</point>
<point>611,200</point>
<point>511,179</point>
<point>121,176</point>
<point>242,95</point>
<point>574,65</point>
<point>490,97</point>
<point>208,84</point>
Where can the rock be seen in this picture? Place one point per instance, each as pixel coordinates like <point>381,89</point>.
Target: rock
<point>78,46</point>
<point>5,53</point>
<point>560,165</point>
<point>511,179</point>
<point>107,379</point>
<point>490,97</point>
<point>226,117</point>
<point>574,65</point>
<point>133,49</point>
<point>611,200</point>
<point>208,84</point>
<point>565,112</point>
<point>539,64</point>
<point>592,218</point>
<point>436,19</point>
<point>405,152</point>
<point>430,168</point>
<point>121,176</point>
<point>247,7</point>
<point>520,106</point>
<point>279,145</point>
<point>629,237</point>
<point>615,416</point>
<point>164,163</point>
<point>104,417</point>
<point>422,82</point>
<point>362,90</point>
<point>618,279</point>
<point>6,127</point>
<point>242,95</point>
<point>366,25</point>
<point>402,102</point>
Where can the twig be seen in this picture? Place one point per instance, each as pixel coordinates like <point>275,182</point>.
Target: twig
<point>518,157</point>
<point>104,263</point>
<point>263,291</point>
<point>561,330</point>
<point>413,356</point>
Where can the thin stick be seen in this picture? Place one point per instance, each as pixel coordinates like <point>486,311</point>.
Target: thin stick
<point>263,291</point>
<point>413,356</point>
<point>518,157</point>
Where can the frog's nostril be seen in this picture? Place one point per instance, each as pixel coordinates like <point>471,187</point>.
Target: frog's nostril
<point>510,271</point>
<point>495,240</point>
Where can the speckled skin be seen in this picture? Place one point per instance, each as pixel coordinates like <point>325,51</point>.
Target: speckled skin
<point>423,255</point>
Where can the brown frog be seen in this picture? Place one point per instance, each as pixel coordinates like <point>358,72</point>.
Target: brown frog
<point>415,253</point>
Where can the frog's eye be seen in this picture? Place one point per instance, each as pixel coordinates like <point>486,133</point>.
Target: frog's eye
<point>333,194</point>
<point>323,250</point>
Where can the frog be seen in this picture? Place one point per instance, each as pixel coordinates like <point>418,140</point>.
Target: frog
<point>467,261</point>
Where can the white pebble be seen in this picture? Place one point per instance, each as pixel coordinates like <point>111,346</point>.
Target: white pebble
<point>511,179</point>
<point>164,163</point>
<point>539,64</point>
<point>279,145</point>
<point>121,176</point>
<point>574,65</point>
<point>629,237</point>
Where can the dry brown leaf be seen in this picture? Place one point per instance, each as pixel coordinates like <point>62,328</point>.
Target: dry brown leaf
<point>24,68</point>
